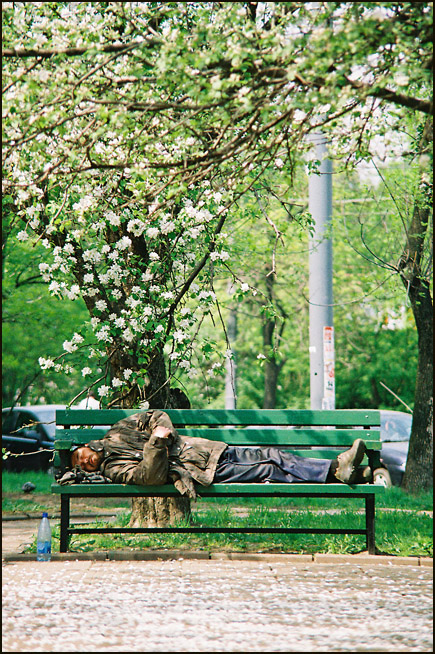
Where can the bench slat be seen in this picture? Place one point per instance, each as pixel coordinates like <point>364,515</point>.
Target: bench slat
<point>303,437</point>
<point>227,490</point>
<point>362,417</point>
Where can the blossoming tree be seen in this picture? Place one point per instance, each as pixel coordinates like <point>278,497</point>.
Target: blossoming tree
<point>132,129</point>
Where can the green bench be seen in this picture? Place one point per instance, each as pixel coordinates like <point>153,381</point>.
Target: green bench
<point>330,432</point>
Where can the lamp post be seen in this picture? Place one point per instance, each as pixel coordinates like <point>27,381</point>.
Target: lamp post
<point>322,357</point>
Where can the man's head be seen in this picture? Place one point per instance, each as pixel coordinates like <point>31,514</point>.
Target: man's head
<point>87,458</point>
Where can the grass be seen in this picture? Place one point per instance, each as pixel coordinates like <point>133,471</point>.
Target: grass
<point>398,533</point>
<point>13,481</point>
<point>402,527</point>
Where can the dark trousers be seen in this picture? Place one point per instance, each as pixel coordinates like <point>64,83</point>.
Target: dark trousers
<point>272,464</point>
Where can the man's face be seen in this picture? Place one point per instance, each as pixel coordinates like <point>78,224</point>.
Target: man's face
<point>86,458</point>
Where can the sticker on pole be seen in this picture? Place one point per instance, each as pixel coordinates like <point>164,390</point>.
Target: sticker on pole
<point>328,401</point>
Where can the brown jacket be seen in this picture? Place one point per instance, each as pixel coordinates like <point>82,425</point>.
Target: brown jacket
<point>133,455</point>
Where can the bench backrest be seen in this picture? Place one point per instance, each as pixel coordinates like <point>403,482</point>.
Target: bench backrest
<point>299,430</point>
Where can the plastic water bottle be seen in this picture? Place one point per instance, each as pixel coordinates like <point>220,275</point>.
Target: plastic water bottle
<point>43,543</point>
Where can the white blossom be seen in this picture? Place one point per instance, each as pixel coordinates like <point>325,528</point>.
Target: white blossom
<point>104,278</point>
<point>22,236</point>
<point>120,322</point>
<point>113,218</point>
<point>116,383</point>
<point>103,334</point>
<point>86,371</point>
<point>123,243</point>
<point>74,292</point>
<point>179,336</point>
<point>68,248</point>
<point>69,346</point>
<point>101,305</point>
<point>83,204</point>
<point>136,226</point>
<point>154,256</point>
<point>128,335</point>
<point>132,302</point>
<point>45,363</point>
<point>54,287</point>
<point>167,227</point>
<point>153,232</point>
<point>127,373</point>
<point>103,391</point>
<point>93,256</point>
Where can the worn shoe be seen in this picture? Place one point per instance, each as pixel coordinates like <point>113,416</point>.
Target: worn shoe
<point>349,461</point>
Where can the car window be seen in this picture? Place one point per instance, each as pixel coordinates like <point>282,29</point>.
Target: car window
<point>395,428</point>
<point>47,418</point>
<point>26,422</point>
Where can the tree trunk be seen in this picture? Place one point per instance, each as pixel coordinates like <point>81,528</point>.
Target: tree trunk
<point>156,511</point>
<point>419,467</point>
<point>272,367</point>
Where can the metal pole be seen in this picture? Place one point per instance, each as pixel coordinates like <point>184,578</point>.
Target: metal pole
<point>322,366</point>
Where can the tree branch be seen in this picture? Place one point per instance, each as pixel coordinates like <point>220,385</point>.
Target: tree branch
<point>69,52</point>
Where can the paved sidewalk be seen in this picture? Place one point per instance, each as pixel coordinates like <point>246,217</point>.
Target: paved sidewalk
<point>197,601</point>
<point>279,604</point>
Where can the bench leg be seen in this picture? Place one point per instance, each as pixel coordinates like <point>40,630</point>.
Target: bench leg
<point>370,523</point>
<point>64,522</point>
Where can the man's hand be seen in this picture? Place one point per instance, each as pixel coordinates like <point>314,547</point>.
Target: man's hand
<point>161,432</point>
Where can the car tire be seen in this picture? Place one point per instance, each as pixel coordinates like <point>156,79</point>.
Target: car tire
<point>382,477</point>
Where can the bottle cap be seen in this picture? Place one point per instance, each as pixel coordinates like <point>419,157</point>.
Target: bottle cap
<point>45,514</point>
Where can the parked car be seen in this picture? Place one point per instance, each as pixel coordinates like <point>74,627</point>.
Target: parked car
<point>395,435</point>
<point>29,429</point>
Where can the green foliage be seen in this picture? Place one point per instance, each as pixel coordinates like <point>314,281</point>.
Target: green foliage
<point>164,106</point>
